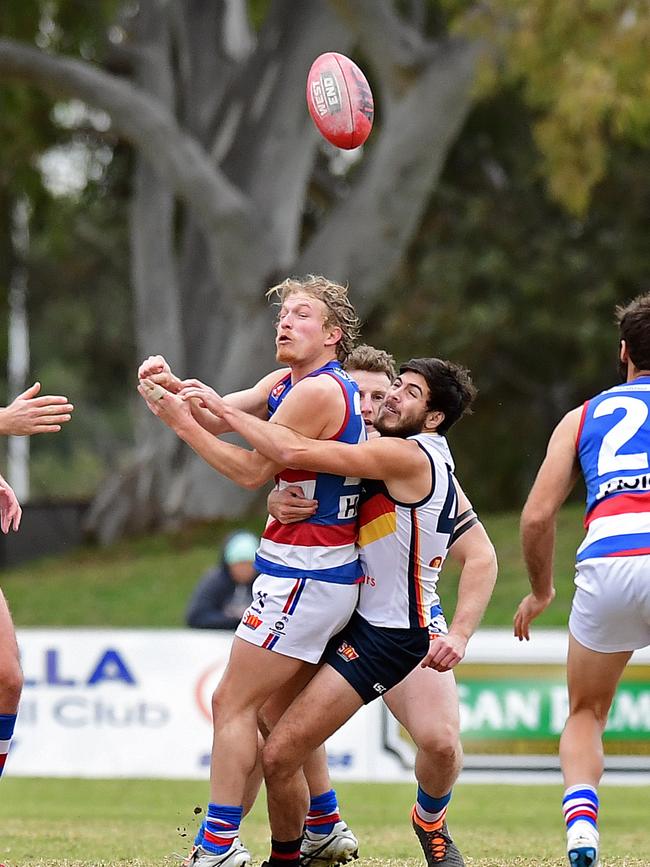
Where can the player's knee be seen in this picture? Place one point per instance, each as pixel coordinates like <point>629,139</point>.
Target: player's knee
<point>441,743</point>
<point>591,707</point>
<point>276,761</point>
<point>11,682</point>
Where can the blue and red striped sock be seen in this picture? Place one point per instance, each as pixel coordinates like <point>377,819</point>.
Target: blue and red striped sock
<point>7,723</point>
<point>221,827</point>
<point>285,853</point>
<point>580,803</point>
<point>199,834</point>
<point>323,813</point>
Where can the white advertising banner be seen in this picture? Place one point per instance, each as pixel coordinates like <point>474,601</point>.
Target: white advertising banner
<point>136,703</point>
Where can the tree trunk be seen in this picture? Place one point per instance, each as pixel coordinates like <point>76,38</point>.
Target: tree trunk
<point>226,157</point>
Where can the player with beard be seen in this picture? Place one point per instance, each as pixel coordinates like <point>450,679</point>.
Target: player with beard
<point>406,523</point>
<point>425,702</point>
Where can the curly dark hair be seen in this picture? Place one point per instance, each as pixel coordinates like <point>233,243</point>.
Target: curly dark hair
<point>451,389</point>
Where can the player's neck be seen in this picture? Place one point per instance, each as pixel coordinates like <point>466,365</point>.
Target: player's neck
<point>633,373</point>
<point>300,369</point>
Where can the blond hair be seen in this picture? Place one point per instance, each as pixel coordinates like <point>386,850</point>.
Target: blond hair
<point>340,312</point>
<point>371,360</point>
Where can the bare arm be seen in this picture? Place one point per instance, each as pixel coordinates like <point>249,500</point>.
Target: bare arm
<point>308,408</point>
<point>555,479</point>
<point>29,414</point>
<point>252,400</point>
<point>474,551</point>
<point>387,458</point>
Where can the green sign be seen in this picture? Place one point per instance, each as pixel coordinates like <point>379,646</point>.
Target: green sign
<point>527,708</point>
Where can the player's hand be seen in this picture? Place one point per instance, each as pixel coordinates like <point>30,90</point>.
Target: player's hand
<point>194,389</point>
<point>10,511</point>
<point>445,651</point>
<point>29,414</point>
<point>170,408</point>
<point>156,369</point>
<point>530,607</point>
<point>290,505</point>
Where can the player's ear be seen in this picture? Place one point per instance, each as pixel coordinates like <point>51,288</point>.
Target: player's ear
<point>433,420</point>
<point>623,354</point>
<point>333,335</point>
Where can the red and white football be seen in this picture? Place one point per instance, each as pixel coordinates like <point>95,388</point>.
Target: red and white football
<point>340,100</point>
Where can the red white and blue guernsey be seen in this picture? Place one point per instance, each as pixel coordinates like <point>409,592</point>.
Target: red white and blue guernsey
<point>613,446</point>
<point>322,547</point>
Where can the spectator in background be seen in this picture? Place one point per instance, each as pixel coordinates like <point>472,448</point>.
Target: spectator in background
<point>224,593</point>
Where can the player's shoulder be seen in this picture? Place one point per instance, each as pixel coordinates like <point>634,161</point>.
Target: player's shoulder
<point>322,385</point>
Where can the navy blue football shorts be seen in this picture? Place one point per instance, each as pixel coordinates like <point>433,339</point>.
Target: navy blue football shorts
<point>374,658</point>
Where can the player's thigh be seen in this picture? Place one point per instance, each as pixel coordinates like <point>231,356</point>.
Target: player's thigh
<point>253,674</point>
<point>8,645</point>
<point>275,705</point>
<point>592,677</point>
<point>319,710</point>
<point>426,704</point>
<point>11,676</point>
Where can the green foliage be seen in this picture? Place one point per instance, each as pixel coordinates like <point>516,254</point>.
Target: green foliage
<point>507,282</point>
<point>584,67</point>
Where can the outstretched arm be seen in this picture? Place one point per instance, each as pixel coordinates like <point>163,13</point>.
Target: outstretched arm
<point>555,479</point>
<point>309,408</point>
<point>474,551</point>
<point>375,459</point>
<point>29,414</point>
<point>253,400</point>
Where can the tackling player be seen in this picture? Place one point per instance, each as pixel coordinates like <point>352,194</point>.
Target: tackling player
<point>426,702</point>
<point>406,524</point>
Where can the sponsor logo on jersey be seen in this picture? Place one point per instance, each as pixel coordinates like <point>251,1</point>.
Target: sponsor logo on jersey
<point>252,620</point>
<point>626,483</point>
<point>347,652</point>
<point>278,389</point>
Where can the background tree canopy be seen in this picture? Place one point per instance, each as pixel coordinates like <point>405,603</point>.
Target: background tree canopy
<point>496,215</point>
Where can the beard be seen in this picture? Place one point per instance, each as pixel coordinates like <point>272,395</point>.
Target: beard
<point>390,426</point>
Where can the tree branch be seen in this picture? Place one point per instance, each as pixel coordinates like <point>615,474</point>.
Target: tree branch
<point>221,209</point>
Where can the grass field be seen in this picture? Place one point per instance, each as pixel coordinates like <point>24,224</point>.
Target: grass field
<point>61,823</point>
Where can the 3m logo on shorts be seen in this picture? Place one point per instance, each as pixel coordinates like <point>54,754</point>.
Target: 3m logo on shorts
<point>379,688</point>
<point>252,620</point>
<point>347,652</point>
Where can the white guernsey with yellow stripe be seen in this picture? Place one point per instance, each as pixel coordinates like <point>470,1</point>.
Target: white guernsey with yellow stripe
<point>403,545</point>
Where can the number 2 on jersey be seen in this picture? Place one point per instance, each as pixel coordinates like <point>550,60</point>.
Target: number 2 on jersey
<point>636,412</point>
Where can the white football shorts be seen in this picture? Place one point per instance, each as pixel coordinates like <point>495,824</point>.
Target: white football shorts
<point>611,605</point>
<point>296,616</point>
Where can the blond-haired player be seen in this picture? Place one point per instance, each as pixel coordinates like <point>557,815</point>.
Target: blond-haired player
<point>308,586</point>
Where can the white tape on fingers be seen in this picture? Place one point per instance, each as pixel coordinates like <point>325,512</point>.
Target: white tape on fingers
<point>155,391</point>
